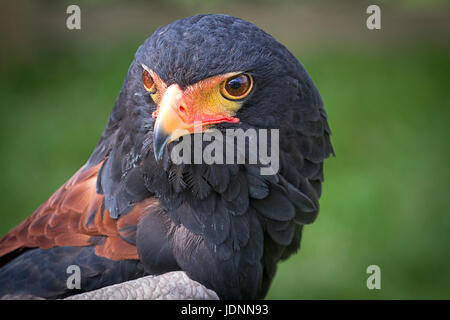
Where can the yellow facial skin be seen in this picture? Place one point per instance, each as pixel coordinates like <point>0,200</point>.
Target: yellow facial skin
<point>195,108</point>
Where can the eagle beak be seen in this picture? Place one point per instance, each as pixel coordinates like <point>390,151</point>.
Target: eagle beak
<point>171,122</point>
<point>160,139</point>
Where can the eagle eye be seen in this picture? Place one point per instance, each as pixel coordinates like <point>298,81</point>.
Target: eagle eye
<point>237,87</point>
<point>149,84</point>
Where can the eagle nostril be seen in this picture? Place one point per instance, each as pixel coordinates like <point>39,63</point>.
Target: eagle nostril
<point>182,111</point>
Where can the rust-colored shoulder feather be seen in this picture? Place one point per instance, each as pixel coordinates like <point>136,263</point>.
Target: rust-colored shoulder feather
<point>75,216</point>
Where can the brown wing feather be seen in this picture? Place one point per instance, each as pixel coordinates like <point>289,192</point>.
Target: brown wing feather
<point>75,216</point>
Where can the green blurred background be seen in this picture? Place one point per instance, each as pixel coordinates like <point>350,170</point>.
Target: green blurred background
<point>385,199</point>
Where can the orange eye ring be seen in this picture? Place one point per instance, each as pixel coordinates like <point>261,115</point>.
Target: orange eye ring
<point>237,87</point>
<point>149,84</point>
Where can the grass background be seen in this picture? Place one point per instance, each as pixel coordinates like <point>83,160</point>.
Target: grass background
<point>385,199</point>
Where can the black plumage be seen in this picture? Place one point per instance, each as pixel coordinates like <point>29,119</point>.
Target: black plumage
<point>224,224</point>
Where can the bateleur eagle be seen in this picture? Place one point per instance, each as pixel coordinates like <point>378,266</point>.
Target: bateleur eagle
<point>130,211</point>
